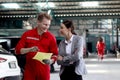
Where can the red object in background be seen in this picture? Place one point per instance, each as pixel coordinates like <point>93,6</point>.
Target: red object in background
<point>101,49</point>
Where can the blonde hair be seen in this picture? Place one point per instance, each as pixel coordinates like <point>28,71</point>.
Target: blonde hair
<point>43,15</point>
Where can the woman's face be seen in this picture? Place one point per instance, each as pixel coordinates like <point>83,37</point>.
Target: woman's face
<point>63,30</point>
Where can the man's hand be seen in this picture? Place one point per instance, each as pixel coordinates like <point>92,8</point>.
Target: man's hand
<point>27,50</point>
<point>34,49</point>
<point>48,61</point>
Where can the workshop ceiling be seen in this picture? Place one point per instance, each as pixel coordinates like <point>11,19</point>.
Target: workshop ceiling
<point>61,8</point>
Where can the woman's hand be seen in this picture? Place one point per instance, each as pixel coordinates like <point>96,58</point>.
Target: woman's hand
<point>60,57</point>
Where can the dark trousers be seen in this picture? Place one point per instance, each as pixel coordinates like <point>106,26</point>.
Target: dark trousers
<point>69,74</point>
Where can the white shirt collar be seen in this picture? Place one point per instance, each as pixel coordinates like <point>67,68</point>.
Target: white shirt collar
<point>71,39</point>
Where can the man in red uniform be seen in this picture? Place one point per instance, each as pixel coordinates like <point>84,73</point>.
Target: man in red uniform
<point>32,41</point>
<point>100,48</point>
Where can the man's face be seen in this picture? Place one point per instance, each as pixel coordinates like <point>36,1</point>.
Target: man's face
<point>44,24</point>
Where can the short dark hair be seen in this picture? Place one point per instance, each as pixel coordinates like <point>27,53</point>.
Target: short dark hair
<point>43,15</point>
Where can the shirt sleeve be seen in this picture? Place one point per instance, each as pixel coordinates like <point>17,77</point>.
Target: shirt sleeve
<point>54,48</point>
<point>20,44</point>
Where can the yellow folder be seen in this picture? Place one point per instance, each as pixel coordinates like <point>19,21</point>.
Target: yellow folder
<point>41,56</point>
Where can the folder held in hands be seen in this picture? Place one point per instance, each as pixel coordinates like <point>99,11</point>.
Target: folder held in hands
<point>40,56</point>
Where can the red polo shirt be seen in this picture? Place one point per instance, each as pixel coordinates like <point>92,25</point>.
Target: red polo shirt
<point>34,70</point>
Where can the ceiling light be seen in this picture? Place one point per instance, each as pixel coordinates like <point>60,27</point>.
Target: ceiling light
<point>46,5</point>
<point>82,14</point>
<point>92,14</point>
<point>10,5</point>
<point>89,4</point>
<point>49,11</point>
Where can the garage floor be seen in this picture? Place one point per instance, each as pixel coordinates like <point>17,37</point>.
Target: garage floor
<point>108,69</point>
